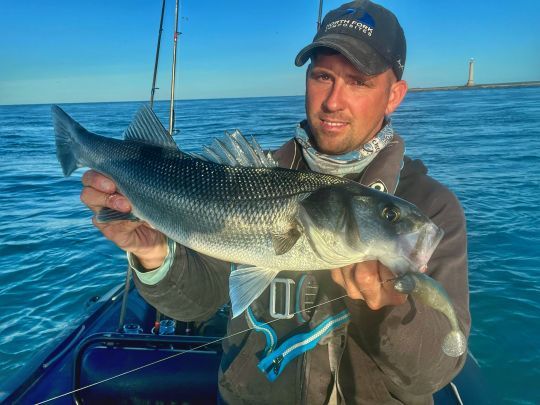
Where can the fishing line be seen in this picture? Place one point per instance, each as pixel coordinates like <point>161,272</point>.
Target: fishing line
<point>191,350</point>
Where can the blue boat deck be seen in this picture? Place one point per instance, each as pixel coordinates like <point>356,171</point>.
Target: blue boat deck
<point>96,364</point>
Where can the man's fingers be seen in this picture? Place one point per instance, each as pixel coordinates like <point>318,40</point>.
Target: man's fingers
<point>366,275</point>
<point>96,200</point>
<point>366,281</point>
<point>93,179</point>
<point>394,297</point>
<point>377,293</point>
<point>136,237</point>
<point>99,191</point>
<point>120,232</point>
<point>337,276</point>
<point>344,276</point>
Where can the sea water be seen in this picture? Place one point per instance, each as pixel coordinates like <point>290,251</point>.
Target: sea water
<point>483,144</point>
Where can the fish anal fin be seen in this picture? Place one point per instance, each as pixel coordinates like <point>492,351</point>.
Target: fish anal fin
<point>110,215</point>
<point>246,283</point>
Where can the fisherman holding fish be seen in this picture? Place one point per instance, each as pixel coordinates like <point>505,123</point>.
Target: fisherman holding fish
<point>382,342</point>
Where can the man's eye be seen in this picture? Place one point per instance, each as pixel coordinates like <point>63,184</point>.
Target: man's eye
<point>322,76</point>
<point>359,83</point>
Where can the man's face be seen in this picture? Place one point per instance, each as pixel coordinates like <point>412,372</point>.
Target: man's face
<point>345,108</point>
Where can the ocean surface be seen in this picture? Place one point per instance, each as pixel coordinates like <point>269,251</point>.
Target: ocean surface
<point>483,144</point>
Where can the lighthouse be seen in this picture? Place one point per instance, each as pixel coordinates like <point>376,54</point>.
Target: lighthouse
<point>470,82</point>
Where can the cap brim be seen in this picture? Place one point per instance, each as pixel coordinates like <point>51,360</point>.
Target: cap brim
<point>361,55</point>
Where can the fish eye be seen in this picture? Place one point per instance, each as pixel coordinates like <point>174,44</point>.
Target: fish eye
<point>391,213</point>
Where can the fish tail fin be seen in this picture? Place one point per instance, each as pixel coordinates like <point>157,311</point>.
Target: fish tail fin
<point>246,283</point>
<point>454,344</point>
<point>66,130</point>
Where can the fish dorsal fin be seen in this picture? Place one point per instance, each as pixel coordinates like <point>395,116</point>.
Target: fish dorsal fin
<point>235,150</point>
<point>146,127</point>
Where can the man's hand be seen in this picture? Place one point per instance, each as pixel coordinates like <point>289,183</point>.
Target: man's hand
<point>366,281</point>
<point>137,237</point>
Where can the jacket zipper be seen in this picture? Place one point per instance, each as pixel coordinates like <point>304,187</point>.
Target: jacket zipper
<point>276,363</point>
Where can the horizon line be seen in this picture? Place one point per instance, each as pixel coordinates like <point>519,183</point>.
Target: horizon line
<point>532,83</point>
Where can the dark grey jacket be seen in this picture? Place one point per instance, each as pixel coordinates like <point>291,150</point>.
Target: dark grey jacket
<point>388,356</point>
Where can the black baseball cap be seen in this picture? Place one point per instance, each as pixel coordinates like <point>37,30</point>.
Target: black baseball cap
<point>367,34</point>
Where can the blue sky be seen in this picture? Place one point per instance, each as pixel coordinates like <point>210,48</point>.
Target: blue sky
<point>82,51</point>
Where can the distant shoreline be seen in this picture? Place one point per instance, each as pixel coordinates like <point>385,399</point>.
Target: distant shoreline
<point>412,89</point>
<point>478,86</point>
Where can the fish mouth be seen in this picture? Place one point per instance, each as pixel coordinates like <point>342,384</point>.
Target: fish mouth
<point>417,247</point>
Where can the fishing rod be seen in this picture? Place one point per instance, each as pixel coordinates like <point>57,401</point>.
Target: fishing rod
<point>152,93</point>
<point>154,88</point>
<point>320,15</point>
<point>173,77</point>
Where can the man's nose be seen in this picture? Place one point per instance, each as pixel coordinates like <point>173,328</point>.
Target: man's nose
<point>335,98</point>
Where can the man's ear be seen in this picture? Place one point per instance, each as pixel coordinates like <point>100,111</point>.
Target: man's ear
<point>397,94</point>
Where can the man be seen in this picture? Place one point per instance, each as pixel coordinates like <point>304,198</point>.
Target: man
<point>382,346</point>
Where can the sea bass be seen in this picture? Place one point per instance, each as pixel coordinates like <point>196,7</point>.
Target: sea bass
<point>236,205</point>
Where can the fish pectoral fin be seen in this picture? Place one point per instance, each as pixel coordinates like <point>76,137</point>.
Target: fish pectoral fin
<point>285,241</point>
<point>110,215</point>
<point>146,127</point>
<point>246,283</point>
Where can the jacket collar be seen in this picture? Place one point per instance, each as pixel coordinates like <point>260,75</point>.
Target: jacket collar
<point>382,173</point>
